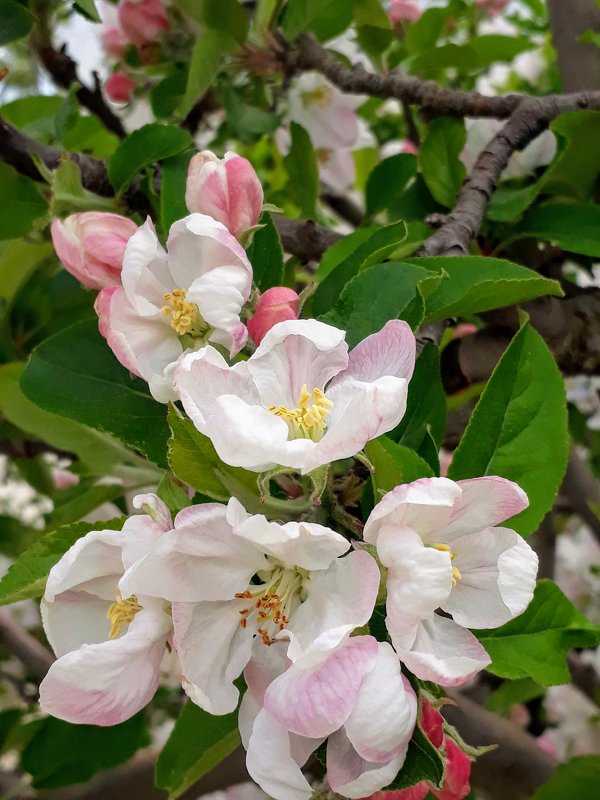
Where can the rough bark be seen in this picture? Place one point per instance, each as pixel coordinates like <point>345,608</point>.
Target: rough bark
<point>578,62</point>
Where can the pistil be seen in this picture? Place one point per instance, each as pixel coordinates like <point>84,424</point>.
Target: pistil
<point>185,316</point>
<point>121,612</point>
<point>309,419</point>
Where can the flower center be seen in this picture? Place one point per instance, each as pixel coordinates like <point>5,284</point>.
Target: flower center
<point>309,419</point>
<point>319,96</point>
<point>456,574</point>
<point>271,603</point>
<point>121,612</point>
<point>185,316</point>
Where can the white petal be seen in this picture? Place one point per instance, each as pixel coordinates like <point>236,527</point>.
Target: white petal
<point>343,595</point>
<point>140,534</point>
<point>383,719</point>
<point>294,353</point>
<point>145,275</point>
<point>97,555</point>
<point>442,652</point>
<point>75,618</point>
<point>213,650</point>
<point>484,502</point>
<point>424,505</point>
<point>498,570</point>
<point>350,775</point>
<point>220,295</point>
<point>154,507</point>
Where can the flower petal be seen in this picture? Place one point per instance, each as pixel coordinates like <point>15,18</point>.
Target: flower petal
<point>316,700</point>
<point>145,275</point>
<point>390,351</point>
<point>75,618</point>
<point>383,720</point>
<point>498,571</point>
<point>92,564</point>
<point>220,295</point>
<point>441,651</point>
<point>483,503</point>
<point>350,775</point>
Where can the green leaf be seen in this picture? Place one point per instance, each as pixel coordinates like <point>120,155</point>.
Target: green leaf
<point>301,167</point>
<point>246,121</point>
<point>423,34</point>
<point>205,65</point>
<point>76,375</point>
<point>394,464</point>
<point>495,47</point>
<point>575,169</point>
<point>194,460</point>
<point>26,578</point>
<point>518,429</point>
<point>227,16</point>
<point>509,202</point>
<point>151,143</point>
<point>172,190</point>
<point>266,255</point>
<point>303,15</point>
<point>578,778</point>
<point>574,227</point>
<point>77,501</point>
<point>15,21</point>
<point>168,93</point>
<point>346,258</point>
<point>60,753</point>
<point>87,8</point>
<point>370,12</point>
<point>423,763</point>
<point>519,691</point>
<point>21,204</point>
<point>198,742</point>
<point>430,63</point>
<point>172,493</point>
<point>439,159</point>
<point>387,181</point>
<point>426,404</point>
<point>535,644</point>
<point>378,294</point>
<point>474,284</point>
<point>18,260</point>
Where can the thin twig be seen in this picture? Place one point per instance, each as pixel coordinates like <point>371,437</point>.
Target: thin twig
<point>33,655</point>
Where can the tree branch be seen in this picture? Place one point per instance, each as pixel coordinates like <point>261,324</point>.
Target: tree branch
<point>33,655</point>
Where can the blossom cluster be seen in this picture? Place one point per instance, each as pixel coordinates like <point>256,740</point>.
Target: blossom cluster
<point>286,604</point>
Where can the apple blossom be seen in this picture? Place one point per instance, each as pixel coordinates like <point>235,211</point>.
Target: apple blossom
<point>350,690</point>
<point>175,301</point>
<point>143,20</point>
<point>538,153</point>
<point>275,305</point>
<point>574,723</point>
<point>492,7</point>
<point>226,189</point>
<point>232,577</point>
<point>91,246</point>
<point>300,401</point>
<point>119,87</point>
<point>440,544</point>
<point>114,41</point>
<point>404,11</point>
<point>109,644</point>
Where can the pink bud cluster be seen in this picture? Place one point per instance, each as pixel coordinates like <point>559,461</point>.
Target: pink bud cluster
<point>404,11</point>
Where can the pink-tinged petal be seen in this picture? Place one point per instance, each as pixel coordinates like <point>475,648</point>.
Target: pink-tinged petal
<point>76,618</point>
<point>107,683</point>
<point>119,87</point>
<point>114,41</point>
<point>69,249</point>
<point>316,701</point>
<point>294,353</point>
<point>145,346</point>
<point>383,720</point>
<point>424,505</point>
<point>266,664</point>
<point>417,792</point>
<point>213,650</point>
<point>361,412</point>
<point>275,305</point>
<point>220,296</point>
<point>336,169</point>
<point>143,20</point>
<point>198,244</point>
<point>327,115</point>
<point>271,764</point>
<point>145,275</point>
<point>404,11</point>
<point>391,351</point>
<point>245,194</point>
<point>442,651</point>
<point>483,503</point>
<point>350,775</point>
<point>419,578</point>
<point>154,507</point>
<point>200,560</point>
<point>456,784</point>
<point>432,723</point>
<point>498,571</point>
<point>343,595</point>
<point>296,544</point>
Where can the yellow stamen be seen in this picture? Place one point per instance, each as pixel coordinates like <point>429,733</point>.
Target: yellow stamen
<point>309,419</point>
<point>121,612</point>
<point>319,96</point>
<point>185,316</point>
<point>444,548</point>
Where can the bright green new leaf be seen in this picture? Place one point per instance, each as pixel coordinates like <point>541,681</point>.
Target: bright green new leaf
<point>15,21</point>
<point>301,166</point>
<point>26,578</point>
<point>536,643</point>
<point>578,778</point>
<point>198,742</point>
<point>394,464</point>
<point>21,204</point>
<point>518,429</point>
<point>266,255</point>
<point>76,375</point>
<point>151,143</point>
<point>474,284</point>
<point>439,159</point>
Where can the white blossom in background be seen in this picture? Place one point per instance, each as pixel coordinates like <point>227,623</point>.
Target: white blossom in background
<point>575,723</point>
<point>241,791</point>
<point>480,132</point>
<point>577,570</point>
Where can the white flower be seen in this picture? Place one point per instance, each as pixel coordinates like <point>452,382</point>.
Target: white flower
<point>176,302</point>
<point>300,401</point>
<point>480,132</point>
<point>232,577</point>
<point>109,644</point>
<point>439,542</point>
<point>576,722</point>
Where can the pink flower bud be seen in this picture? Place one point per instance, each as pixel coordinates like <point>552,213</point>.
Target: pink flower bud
<point>118,87</point>
<point>275,305</point>
<point>432,723</point>
<point>404,11</point>
<point>458,772</point>
<point>91,246</point>
<point>114,41</point>
<point>226,189</point>
<point>143,20</point>
<point>492,7</point>
<point>63,479</point>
